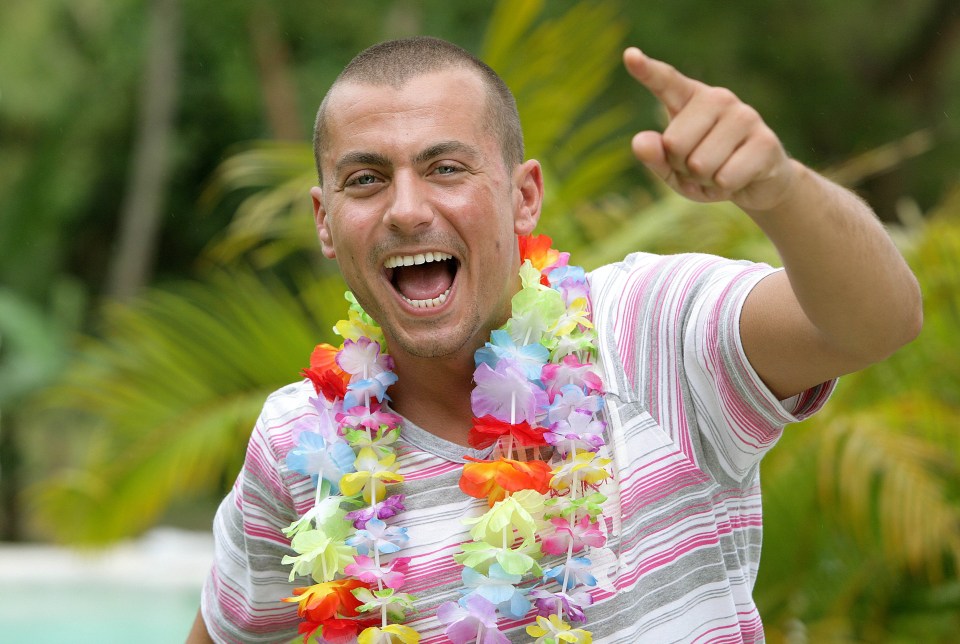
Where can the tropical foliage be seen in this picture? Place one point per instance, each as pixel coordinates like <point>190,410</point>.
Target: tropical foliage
<point>862,502</point>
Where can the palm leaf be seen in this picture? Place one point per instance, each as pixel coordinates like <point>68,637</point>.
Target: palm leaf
<point>274,221</point>
<point>166,400</point>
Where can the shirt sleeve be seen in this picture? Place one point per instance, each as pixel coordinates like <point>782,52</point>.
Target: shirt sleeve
<point>737,414</point>
<point>241,600</point>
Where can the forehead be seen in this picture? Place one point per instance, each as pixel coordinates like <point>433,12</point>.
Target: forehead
<point>449,105</point>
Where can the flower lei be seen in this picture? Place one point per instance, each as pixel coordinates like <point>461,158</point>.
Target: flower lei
<point>535,387</point>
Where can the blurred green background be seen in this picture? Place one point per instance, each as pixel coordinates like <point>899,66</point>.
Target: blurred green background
<point>159,273</point>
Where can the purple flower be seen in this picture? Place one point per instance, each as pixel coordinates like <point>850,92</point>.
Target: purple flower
<point>506,394</point>
<point>389,507</point>
<point>572,603</point>
<point>472,616</point>
<point>573,289</point>
<point>570,398</point>
<point>578,432</point>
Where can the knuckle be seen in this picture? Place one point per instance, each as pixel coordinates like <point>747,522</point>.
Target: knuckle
<point>672,143</point>
<point>724,182</point>
<point>697,165</point>
<point>722,96</point>
<point>746,114</point>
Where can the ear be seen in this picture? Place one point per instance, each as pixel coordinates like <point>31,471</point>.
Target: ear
<point>323,227</point>
<point>528,183</point>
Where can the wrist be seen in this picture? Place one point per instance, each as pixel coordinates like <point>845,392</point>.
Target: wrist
<point>797,184</point>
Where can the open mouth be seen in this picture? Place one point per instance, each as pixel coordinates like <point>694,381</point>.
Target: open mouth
<point>424,280</point>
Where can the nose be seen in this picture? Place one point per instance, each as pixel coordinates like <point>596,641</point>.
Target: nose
<point>409,210</point>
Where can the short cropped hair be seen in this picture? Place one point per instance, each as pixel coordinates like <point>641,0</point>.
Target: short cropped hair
<point>397,61</point>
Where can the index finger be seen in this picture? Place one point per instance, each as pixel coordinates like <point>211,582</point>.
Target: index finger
<point>671,88</point>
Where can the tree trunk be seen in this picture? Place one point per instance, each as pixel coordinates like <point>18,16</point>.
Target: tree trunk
<point>276,80</point>
<point>133,259</point>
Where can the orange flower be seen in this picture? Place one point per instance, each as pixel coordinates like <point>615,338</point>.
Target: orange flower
<point>493,479</point>
<point>537,249</point>
<point>321,602</point>
<point>327,377</point>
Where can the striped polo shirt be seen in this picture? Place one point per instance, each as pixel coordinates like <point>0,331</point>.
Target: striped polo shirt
<point>688,421</point>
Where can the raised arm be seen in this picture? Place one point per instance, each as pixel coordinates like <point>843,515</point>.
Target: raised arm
<point>847,298</point>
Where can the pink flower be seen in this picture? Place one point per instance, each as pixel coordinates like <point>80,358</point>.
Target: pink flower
<point>362,359</point>
<point>365,569</point>
<point>570,371</point>
<point>371,418</point>
<point>580,534</point>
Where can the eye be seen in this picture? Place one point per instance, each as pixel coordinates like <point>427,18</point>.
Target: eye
<point>447,169</point>
<point>362,179</point>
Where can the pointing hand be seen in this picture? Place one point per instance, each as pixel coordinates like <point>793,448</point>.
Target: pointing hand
<point>716,147</point>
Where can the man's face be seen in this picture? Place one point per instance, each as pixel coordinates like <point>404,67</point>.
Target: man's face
<point>415,175</point>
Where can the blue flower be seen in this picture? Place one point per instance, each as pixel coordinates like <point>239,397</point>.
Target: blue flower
<point>529,359</point>
<point>377,536</point>
<point>362,391</point>
<point>315,457</point>
<point>499,588</point>
<point>579,573</point>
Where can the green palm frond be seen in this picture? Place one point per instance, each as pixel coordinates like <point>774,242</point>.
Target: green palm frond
<point>892,485</point>
<point>274,221</point>
<point>558,70</point>
<point>672,224</point>
<point>169,396</point>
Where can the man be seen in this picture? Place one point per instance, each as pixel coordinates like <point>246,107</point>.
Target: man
<point>704,360</point>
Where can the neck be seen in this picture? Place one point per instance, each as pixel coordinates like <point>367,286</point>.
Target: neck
<point>435,395</point>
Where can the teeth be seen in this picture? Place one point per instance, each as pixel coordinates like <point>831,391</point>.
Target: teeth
<point>419,258</point>
<point>428,304</point>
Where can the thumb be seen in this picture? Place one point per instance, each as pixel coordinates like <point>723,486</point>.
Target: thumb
<point>648,148</point>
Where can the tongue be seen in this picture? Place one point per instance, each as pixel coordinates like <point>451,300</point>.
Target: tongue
<point>423,281</point>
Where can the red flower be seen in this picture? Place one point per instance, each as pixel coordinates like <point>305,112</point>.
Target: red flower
<point>334,630</point>
<point>327,377</point>
<point>487,430</point>
<point>493,479</point>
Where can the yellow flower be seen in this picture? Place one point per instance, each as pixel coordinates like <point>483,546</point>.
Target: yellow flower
<point>556,630</point>
<point>585,468</point>
<point>372,476</point>
<point>355,327</point>
<point>392,634</point>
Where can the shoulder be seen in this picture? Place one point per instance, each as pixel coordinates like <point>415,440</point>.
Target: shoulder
<point>646,279</point>
<point>285,413</point>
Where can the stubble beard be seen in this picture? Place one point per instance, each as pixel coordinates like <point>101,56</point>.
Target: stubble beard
<point>433,344</point>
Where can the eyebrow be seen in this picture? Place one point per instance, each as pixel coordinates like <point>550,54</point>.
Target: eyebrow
<point>446,147</point>
<point>360,158</point>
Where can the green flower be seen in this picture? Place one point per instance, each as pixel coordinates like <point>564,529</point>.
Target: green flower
<point>322,552</point>
<point>516,513</point>
<point>396,604</point>
<point>480,555</point>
